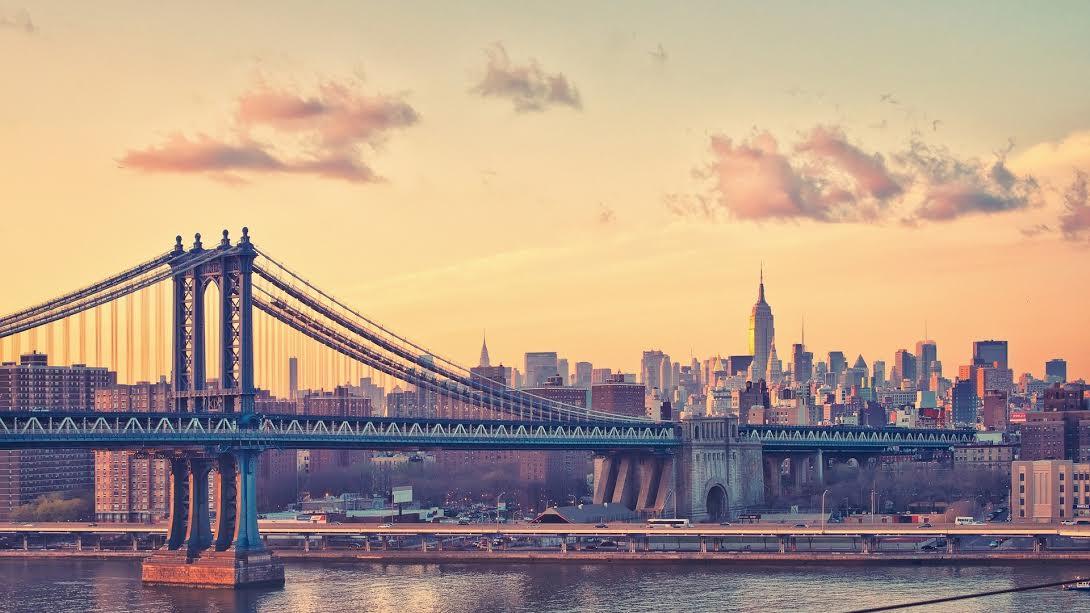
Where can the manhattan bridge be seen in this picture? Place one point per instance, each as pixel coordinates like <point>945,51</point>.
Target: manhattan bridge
<point>705,465</point>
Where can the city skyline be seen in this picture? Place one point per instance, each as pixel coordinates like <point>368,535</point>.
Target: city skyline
<point>617,217</point>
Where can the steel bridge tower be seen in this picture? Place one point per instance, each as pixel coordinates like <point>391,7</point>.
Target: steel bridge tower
<point>234,554</point>
<point>231,271</point>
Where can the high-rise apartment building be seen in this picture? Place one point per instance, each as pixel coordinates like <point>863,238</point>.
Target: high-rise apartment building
<point>132,487</point>
<point>34,384</point>
<point>618,396</point>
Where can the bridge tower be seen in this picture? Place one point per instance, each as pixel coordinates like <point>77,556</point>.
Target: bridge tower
<point>230,269</point>
<point>234,554</point>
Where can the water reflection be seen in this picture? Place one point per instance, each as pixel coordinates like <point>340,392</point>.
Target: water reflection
<point>114,586</point>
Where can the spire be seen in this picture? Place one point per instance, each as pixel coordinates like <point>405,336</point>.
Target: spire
<point>761,291</point>
<point>803,341</point>
<point>484,351</point>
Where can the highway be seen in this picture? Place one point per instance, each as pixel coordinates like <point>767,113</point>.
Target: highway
<point>612,529</point>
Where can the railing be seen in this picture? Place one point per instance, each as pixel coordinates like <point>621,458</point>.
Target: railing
<point>150,430</point>
<point>854,436</point>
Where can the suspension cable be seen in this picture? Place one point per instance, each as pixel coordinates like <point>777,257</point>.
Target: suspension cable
<point>113,293</point>
<point>89,290</point>
<point>492,388</point>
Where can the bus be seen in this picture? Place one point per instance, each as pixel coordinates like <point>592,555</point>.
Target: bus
<point>667,523</point>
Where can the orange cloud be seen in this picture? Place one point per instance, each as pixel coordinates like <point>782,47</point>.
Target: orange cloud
<point>327,130</point>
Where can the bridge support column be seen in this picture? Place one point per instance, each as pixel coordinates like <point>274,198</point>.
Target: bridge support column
<point>563,543</point>
<point>631,544</point>
<point>439,543</point>
<point>773,476</point>
<point>306,543</point>
<point>819,468</point>
<point>179,502</point>
<point>135,543</point>
<point>26,542</point>
<point>869,544</point>
<point>703,544</point>
<point>783,543</point>
<point>424,542</point>
<point>199,534</point>
<point>79,542</point>
<point>1040,544</point>
<point>953,544</point>
<point>235,555</point>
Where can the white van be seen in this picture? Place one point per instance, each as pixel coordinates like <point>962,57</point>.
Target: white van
<point>964,521</point>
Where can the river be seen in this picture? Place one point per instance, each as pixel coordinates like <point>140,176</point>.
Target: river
<point>40,586</point>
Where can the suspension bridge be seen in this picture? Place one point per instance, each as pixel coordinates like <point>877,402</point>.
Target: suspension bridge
<point>213,427</point>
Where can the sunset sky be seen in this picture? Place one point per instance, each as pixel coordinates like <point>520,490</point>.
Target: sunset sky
<point>596,180</point>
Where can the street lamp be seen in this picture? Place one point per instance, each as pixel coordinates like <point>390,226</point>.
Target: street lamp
<point>823,511</point>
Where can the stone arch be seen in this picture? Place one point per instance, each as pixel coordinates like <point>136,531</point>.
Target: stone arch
<point>715,502</point>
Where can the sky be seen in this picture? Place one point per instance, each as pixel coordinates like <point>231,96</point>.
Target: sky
<point>596,179</point>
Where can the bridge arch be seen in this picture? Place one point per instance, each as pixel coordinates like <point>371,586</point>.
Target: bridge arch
<point>715,502</point>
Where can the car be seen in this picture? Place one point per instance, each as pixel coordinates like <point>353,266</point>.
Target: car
<point>800,525</point>
<point>928,547</point>
<point>607,544</point>
<point>462,521</point>
<point>926,524</point>
<point>993,544</point>
<point>385,526</point>
<point>724,523</point>
<point>601,525</point>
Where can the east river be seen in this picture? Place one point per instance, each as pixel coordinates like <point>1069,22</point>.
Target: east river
<point>41,586</point>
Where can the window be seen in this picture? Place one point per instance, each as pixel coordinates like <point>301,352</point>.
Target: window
<point>1061,476</point>
<point>1061,490</point>
<point>1021,476</point>
<point>1021,489</point>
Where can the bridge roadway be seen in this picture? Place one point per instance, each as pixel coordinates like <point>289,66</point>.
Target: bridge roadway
<point>613,529</point>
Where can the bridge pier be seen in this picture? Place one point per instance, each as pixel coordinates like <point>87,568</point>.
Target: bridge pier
<point>79,542</point>
<point>235,555</point>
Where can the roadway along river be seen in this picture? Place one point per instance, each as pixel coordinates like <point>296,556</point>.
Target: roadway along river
<point>39,586</point>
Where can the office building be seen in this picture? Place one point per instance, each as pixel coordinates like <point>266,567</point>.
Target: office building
<point>761,332</point>
<point>540,365</point>
<point>1049,491</point>
<point>1056,371</point>
<point>990,353</point>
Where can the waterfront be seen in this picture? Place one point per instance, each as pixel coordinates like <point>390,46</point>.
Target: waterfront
<point>108,586</point>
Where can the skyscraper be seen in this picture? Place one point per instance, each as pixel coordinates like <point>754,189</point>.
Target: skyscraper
<point>878,375</point>
<point>927,355</point>
<point>651,369</point>
<point>540,365</point>
<point>761,330</point>
<point>964,402</point>
<point>837,362</point>
<point>987,353</point>
<point>293,377</point>
<point>584,374</point>
<point>484,354</point>
<point>803,361</point>
<point>905,365</point>
<point>1056,371</point>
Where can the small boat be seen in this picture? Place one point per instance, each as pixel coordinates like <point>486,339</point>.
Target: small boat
<point>1080,585</point>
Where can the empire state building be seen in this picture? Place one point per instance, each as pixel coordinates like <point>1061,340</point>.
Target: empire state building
<point>761,332</point>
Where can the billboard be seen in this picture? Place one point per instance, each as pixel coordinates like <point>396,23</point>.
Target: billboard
<point>402,494</point>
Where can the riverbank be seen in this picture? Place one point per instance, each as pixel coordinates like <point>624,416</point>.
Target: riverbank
<point>802,559</point>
